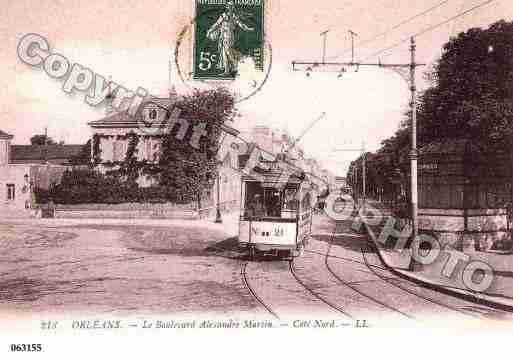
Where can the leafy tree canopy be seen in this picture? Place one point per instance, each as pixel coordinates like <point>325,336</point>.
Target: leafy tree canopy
<point>183,166</point>
<point>470,97</point>
<point>472,89</point>
<point>41,140</point>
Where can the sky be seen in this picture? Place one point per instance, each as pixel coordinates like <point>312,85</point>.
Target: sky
<point>133,41</point>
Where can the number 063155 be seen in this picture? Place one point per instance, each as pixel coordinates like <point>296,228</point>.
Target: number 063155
<point>26,347</point>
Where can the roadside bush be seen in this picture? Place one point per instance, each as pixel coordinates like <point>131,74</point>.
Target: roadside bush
<point>84,186</point>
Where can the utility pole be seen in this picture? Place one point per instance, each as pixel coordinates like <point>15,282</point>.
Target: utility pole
<point>353,34</point>
<point>324,34</point>
<point>355,181</point>
<point>364,193</point>
<point>413,153</point>
<point>218,199</point>
<point>407,72</point>
<point>45,148</point>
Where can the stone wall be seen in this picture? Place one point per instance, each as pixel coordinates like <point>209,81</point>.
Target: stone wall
<point>133,214</point>
<point>142,210</point>
<point>483,227</point>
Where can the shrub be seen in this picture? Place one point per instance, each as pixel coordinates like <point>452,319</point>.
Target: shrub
<point>82,186</point>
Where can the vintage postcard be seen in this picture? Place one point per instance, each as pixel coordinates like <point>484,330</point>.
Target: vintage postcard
<point>218,177</point>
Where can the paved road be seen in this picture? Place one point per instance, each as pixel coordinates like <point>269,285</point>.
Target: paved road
<point>349,260</point>
<point>119,269</point>
<point>341,275</point>
<point>195,268</point>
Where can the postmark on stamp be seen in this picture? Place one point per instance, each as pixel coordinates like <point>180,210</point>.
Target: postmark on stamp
<point>225,45</point>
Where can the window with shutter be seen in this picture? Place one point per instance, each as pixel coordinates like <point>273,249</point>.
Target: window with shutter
<point>11,192</point>
<point>117,152</point>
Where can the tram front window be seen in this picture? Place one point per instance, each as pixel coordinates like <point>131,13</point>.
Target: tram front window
<point>263,201</point>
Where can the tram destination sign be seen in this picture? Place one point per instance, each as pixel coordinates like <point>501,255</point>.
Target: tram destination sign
<point>226,33</point>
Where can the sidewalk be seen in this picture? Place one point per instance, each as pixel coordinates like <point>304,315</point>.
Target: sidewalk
<point>229,224</point>
<point>499,294</point>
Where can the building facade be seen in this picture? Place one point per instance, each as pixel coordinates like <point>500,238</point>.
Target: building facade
<point>110,136</point>
<point>18,181</point>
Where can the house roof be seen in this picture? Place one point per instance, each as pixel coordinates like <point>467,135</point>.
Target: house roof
<point>5,136</point>
<point>123,118</point>
<point>118,118</point>
<point>49,152</point>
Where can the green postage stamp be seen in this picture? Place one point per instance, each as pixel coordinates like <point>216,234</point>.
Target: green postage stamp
<point>227,32</point>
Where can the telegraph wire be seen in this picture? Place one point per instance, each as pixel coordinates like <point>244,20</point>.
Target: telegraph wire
<point>395,27</point>
<point>430,28</point>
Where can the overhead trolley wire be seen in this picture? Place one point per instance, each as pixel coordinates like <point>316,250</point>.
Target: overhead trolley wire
<point>430,28</point>
<point>395,27</point>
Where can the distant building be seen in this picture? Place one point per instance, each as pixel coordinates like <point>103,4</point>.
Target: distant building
<point>340,182</point>
<point>25,168</point>
<point>44,154</point>
<point>275,141</point>
<point>5,147</point>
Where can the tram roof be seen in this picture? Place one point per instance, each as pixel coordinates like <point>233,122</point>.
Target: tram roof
<point>274,176</point>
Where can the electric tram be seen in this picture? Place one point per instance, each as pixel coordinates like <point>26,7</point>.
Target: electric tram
<point>276,214</point>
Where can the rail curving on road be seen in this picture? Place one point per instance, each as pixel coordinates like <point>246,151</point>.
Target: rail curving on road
<point>316,295</point>
<point>243,273</point>
<point>354,288</point>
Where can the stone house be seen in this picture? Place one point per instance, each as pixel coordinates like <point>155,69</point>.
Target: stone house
<point>20,175</point>
<point>110,137</point>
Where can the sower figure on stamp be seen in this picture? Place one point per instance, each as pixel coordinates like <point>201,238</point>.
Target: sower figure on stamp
<point>223,31</point>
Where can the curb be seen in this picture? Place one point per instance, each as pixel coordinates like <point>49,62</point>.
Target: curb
<point>460,293</point>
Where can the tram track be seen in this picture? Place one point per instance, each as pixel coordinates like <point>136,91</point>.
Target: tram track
<point>266,306</point>
<point>411,292</point>
<point>354,288</point>
<point>392,281</point>
<point>372,268</point>
<point>315,294</point>
<point>245,281</point>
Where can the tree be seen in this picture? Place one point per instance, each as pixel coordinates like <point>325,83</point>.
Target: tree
<point>84,157</point>
<point>183,167</point>
<point>470,97</point>
<point>472,89</point>
<point>184,170</point>
<point>41,140</point>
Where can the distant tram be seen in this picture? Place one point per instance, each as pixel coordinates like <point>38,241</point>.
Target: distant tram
<point>276,214</point>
